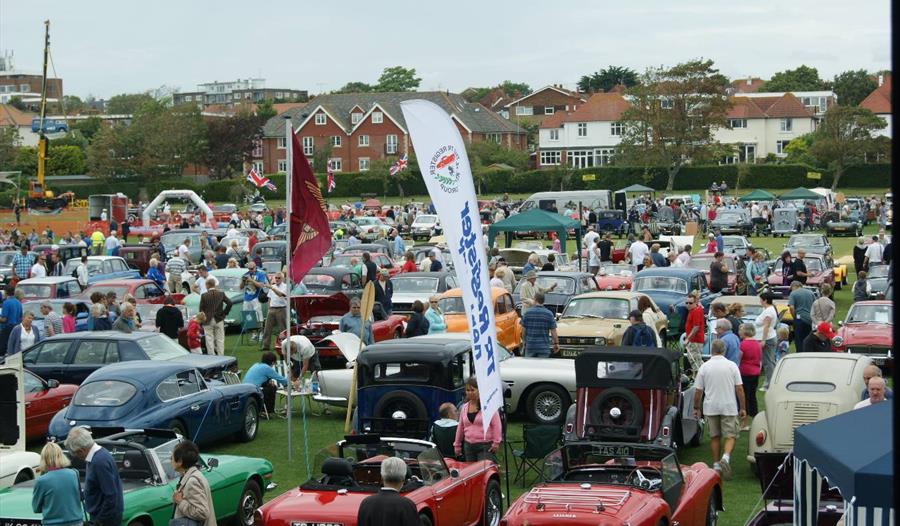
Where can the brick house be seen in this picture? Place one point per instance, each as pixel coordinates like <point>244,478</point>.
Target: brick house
<point>540,104</point>
<point>360,128</point>
<point>879,102</point>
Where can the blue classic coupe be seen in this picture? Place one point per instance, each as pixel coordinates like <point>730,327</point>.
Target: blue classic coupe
<point>169,395</point>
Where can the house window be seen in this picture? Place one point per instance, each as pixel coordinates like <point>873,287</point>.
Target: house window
<point>787,125</point>
<point>524,110</point>
<point>493,137</point>
<point>737,123</point>
<point>603,156</point>
<point>24,88</point>
<point>581,158</point>
<point>550,157</point>
<point>665,104</point>
<point>549,110</point>
<point>377,117</point>
<point>278,95</point>
<point>321,119</point>
<point>336,141</point>
<point>582,129</point>
<point>747,153</point>
<point>308,144</point>
<point>188,98</point>
<point>780,145</point>
<point>390,147</point>
<point>282,166</point>
<point>247,95</point>
<point>257,149</point>
<point>258,166</point>
<point>282,143</point>
<point>336,164</point>
<point>355,117</point>
<point>616,128</point>
<point>363,164</point>
<point>363,140</point>
<point>554,135</point>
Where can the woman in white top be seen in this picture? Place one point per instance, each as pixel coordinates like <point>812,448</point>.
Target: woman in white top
<point>651,316</point>
<point>23,335</point>
<point>765,325</point>
<point>497,280</point>
<point>594,257</point>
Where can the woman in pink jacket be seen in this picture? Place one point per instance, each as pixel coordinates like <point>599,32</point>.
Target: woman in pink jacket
<point>471,439</point>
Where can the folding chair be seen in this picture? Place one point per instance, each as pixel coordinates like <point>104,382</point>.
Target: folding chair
<point>249,322</point>
<point>539,440</point>
<point>443,438</point>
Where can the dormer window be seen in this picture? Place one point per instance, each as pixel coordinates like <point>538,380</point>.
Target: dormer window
<point>320,119</point>
<point>355,117</point>
<point>377,117</point>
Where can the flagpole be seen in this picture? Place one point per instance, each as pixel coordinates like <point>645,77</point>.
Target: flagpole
<point>288,134</point>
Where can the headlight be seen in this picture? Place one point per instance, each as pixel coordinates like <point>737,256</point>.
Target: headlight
<point>600,341</point>
<point>837,341</point>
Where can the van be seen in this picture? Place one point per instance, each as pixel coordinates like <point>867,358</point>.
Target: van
<point>592,199</point>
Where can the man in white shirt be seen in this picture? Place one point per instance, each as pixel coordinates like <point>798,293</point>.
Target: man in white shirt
<point>754,210</point>
<point>684,258</point>
<point>184,251</point>
<point>302,353</point>
<point>876,388</point>
<point>111,243</point>
<point>874,253</point>
<point>203,275</point>
<point>719,379</point>
<point>103,215</point>
<point>81,272</point>
<point>38,270</point>
<point>637,251</point>
<point>590,238</point>
<point>276,318</point>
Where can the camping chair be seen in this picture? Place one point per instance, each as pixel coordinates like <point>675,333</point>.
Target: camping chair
<point>443,438</point>
<point>249,322</point>
<point>539,440</point>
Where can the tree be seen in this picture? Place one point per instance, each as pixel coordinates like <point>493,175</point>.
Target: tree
<point>798,150</point>
<point>88,127</point>
<point>844,137</point>
<point>803,78</point>
<point>515,89</point>
<point>127,103</point>
<point>607,78</point>
<point>16,102</point>
<point>71,104</point>
<point>9,142</point>
<point>111,152</point>
<point>398,78</point>
<point>851,87</point>
<point>265,110</point>
<point>355,87</point>
<point>672,117</point>
<point>230,142</point>
<point>167,139</point>
<point>475,94</point>
<point>61,160</point>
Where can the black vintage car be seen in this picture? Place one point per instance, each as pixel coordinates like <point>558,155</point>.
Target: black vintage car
<point>612,221</point>
<point>331,280</point>
<point>272,254</point>
<point>568,285</point>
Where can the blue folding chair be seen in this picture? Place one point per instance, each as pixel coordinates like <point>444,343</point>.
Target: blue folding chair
<point>249,322</point>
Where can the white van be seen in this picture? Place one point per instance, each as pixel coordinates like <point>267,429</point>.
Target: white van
<point>592,199</point>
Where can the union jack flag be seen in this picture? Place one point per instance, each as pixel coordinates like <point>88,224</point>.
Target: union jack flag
<point>260,181</point>
<point>399,165</point>
<point>331,184</point>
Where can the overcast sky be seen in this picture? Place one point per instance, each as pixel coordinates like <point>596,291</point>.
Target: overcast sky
<point>105,47</point>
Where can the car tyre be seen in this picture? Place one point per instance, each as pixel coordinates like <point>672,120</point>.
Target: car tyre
<point>249,422</point>
<point>547,404</point>
<point>712,511</point>
<point>493,504</point>
<point>178,427</point>
<point>250,501</point>
<point>627,396</point>
<point>403,400</point>
<point>425,519</point>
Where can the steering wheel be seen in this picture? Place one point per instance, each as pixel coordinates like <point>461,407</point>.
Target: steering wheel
<point>642,481</point>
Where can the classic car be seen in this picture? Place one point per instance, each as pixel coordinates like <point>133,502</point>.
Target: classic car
<point>6,257</point>
<point>51,287</point>
<point>146,313</point>
<point>516,258</point>
<point>737,245</point>
<point>380,246</point>
<point>506,319</point>
<point>445,491</point>
<point>331,280</point>
<point>665,222</point>
<point>732,221</point>
<point>143,290</point>
<point>230,284</point>
<point>868,329</point>
<point>752,307</point>
<point>421,252</point>
<point>877,281</point>
<point>368,227</point>
<point>805,388</point>
<point>412,286</point>
<point>272,255</point>
<point>612,221</point>
<point>598,318</point>
<point>173,238</point>
<point>166,395</point>
<point>101,268</point>
<point>568,285</point>
<point>258,208</point>
<point>16,464</point>
<point>138,256</point>
<point>144,459</point>
<point>70,358</point>
<point>819,267</point>
<point>668,287</point>
<point>82,312</point>
<point>538,388</point>
<point>812,243</point>
<point>425,226</point>
<point>843,225</point>
<point>43,399</point>
<point>381,260</point>
<point>737,271</point>
<point>277,231</point>
<point>615,276</point>
<point>589,483</point>
<point>65,252</point>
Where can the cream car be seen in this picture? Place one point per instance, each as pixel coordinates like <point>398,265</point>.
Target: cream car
<point>599,318</point>
<point>16,464</point>
<point>806,388</point>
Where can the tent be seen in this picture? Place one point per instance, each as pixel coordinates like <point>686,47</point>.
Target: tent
<point>535,220</point>
<point>758,195</point>
<point>854,453</point>
<point>799,193</point>
<point>637,188</point>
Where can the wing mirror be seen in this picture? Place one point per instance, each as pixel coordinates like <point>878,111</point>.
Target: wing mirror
<point>52,384</point>
<point>212,463</point>
<point>454,473</point>
<point>507,392</point>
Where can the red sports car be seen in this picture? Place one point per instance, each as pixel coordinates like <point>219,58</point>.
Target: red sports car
<point>322,315</point>
<point>614,276</point>
<point>868,329</point>
<point>143,290</point>
<point>43,399</point>
<point>590,483</point>
<point>820,269</point>
<point>445,491</point>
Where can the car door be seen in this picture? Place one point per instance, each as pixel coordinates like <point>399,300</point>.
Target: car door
<point>48,359</point>
<point>188,399</point>
<point>90,355</point>
<point>152,292</point>
<point>40,405</point>
<point>683,511</point>
<point>452,495</point>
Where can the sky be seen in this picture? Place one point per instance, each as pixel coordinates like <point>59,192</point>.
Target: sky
<point>106,47</point>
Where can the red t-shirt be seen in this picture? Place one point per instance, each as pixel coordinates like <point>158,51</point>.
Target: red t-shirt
<point>695,318</point>
<point>193,334</point>
<point>409,266</point>
<point>750,357</point>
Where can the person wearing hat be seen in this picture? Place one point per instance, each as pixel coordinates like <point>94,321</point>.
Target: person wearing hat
<point>52,321</point>
<point>819,340</point>
<point>530,289</point>
<point>384,291</point>
<point>711,246</point>
<point>508,276</point>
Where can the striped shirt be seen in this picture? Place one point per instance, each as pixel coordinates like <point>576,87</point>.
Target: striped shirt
<point>176,265</point>
<point>538,322</point>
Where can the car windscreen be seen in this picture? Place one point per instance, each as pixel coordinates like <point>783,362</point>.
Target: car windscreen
<point>272,251</point>
<point>881,313</point>
<point>321,281</point>
<point>343,261</point>
<point>34,291</point>
<point>839,371</point>
<point>515,258</point>
<point>426,220</point>
<point>728,215</point>
<point>161,347</point>
<point>616,270</point>
<point>813,264</point>
<point>878,271</point>
<point>6,258</point>
<point>94,266</point>
<point>564,285</point>
<point>705,263</point>
<point>120,290</point>
<point>613,308</point>
<point>413,284</point>
<point>229,284</point>
<point>34,307</point>
<point>104,393</point>
<point>661,283</point>
<point>594,455</point>
<point>452,305</point>
<point>171,240</point>
<point>806,241</point>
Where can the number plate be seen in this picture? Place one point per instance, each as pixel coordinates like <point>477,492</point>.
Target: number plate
<point>298,523</point>
<point>615,451</point>
<point>569,353</point>
<point>20,522</point>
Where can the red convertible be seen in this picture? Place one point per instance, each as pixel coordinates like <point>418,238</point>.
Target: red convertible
<point>143,290</point>
<point>445,491</point>
<point>615,276</point>
<point>589,483</point>
<point>43,399</point>
<point>868,329</point>
<point>322,314</point>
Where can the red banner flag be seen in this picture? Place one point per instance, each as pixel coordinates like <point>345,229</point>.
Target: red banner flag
<point>310,233</point>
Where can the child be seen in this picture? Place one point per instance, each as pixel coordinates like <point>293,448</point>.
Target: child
<point>193,332</point>
<point>751,353</point>
<point>68,320</point>
<point>782,348</point>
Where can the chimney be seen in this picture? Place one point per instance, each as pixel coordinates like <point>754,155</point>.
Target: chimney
<point>749,80</point>
<point>880,79</point>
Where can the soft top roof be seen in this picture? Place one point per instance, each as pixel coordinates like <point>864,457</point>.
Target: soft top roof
<point>428,349</point>
<point>655,370</point>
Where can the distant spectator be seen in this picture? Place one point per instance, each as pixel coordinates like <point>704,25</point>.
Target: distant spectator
<point>765,324</point>
<point>732,343</point>
<point>352,322</point>
<point>194,332</point>
<point>410,264</point>
<point>751,354</point>
<point>638,334</point>
<point>860,288</point>
<point>57,492</point>
<point>539,325</point>
<point>23,335</point>
<point>819,340</point>
<point>871,371</point>
<point>694,331</point>
<point>53,324</point>
<point>262,375</point>
<point>169,319</point>
<point>823,308</point>
<point>435,317</point>
<point>69,317</point>
<point>417,325</point>
<point>125,322</point>
<point>473,441</point>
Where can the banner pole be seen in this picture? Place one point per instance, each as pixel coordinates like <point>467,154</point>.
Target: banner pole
<point>288,132</point>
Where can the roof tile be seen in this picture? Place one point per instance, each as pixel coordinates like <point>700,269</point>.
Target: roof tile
<point>599,107</point>
<point>879,101</point>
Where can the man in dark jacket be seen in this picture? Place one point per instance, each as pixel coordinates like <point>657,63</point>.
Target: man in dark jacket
<point>169,319</point>
<point>215,304</point>
<point>820,339</point>
<point>638,334</point>
<point>388,507</point>
<point>103,495</point>
<point>384,291</point>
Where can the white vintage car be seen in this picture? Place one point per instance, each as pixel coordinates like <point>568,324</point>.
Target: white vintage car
<point>16,464</point>
<point>540,388</point>
<point>807,387</point>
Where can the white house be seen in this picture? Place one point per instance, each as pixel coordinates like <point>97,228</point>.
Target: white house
<point>761,125</point>
<point>879,102</point>
<point>10,116</point>
<point>584,137</point>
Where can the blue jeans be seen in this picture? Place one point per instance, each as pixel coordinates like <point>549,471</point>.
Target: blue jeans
<point>537,351</point>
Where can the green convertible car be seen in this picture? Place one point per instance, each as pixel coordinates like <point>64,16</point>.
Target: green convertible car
<point>144,459</point>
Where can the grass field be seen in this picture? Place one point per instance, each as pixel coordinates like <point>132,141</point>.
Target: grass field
<point>741,493</point>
